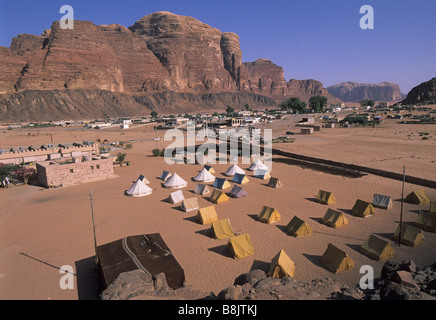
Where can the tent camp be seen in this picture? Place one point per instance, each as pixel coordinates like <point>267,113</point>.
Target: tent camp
<point>175,182</point>
<point>282,266</point>
<point>221,184</point>
<point>222,229</point>
<point>189,205</point>
<point>275,183</point>
<point>262,174</point>
<point>363,209</point>
<point>432,206</point>
<point>377,248</point>
<point>233,170</point>
<point>210,169</point>
<point>258,165</point>
<point>418,197</point>
<point>237,192</point>
<point>298,228</point>
<point>139,189</point>
<point>334,219</point>
<point>143,179</point>
<point>410,235</point>
<point>218,197</point>
<point>207,215</point>
<point>426,221</point>
<point>176,197</point>
<point>240,178</point>
<point>204,176</point>
<point>382,202</point>
<point>202,189</point>
<point>325,197</point>
<point>240,246</point>
<point>148,253</point>
<point>268,215</point>
<point>165,175</point>
<point>336,260</point>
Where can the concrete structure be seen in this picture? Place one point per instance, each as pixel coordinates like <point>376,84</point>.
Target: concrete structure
<point>75,171</point>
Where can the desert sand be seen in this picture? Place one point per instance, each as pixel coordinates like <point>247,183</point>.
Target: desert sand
<point>42,230</point>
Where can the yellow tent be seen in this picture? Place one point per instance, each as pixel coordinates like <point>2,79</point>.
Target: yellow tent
<point>207,215</point>
<point>427,221</point>
<point>377,248</point>
<point>336,260</point>
<point>268,215</point>
<point>275,183</point>
<point>298,228</point>
<point>240,246</point>
<point>218,197</point>
<point>418,197</point>
<point>334,219</point>
<point>282,266</point>
<point>222,229</point>
<point>363,209</point>
<point>410,235</point>
<point>432,206</point>
<point>325,197</point>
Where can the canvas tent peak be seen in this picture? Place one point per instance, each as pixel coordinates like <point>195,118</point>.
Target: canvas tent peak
<point>257,165</point>
<point>165,175</point>
<point>233,170</point>
<point>204,176</point>
<point>325,197</point>
<point>268,215</point>
<point>382,201</point>
<point>176,197</point>
<point>298,228</point>
<point>377,248</point>
<point>210,169</point>
<point>282,266</point>
<point>240,246</point>
<point>202,189</point>
<point>175,182</point>
<point>139,189</point>
<point>275,183</point>
<point>410,235</point>
<point>418,197</point>
<point>334,219</point>
<point>143,179</point>
<point>336,260</point>
<point>240,178</point>
<point>222,229</point>
<point>218,196</point>
<point>221,183</point>
<point>363,209</point>
<point>237,192</point>
<point>207,215</point>
<point>190,204</point>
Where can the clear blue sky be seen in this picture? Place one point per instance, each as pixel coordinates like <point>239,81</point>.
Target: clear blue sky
<point>311,39</point>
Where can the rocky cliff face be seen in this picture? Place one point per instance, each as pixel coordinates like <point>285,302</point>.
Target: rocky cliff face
<point>423,94</point>
<point>356,92</point>
<point>160,54</point>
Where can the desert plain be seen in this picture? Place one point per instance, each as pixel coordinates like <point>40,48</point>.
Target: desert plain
<point>42,230</point>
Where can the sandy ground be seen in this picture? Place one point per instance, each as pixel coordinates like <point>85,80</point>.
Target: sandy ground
<point>42,230</point>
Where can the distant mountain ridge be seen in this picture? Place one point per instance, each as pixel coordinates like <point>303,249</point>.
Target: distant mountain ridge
<point>160,55</point>
<point>355,92</point>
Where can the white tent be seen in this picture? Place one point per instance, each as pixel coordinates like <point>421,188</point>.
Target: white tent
<point>175,182</point>
<point>233,170</point>
<point>258,165</point>
<point>204,176</point>
<point>176,197</point>
<point>139,189</point>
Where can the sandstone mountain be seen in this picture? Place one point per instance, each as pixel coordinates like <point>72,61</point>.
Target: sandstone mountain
<point>423,94</point>
<point>164,61</point>
<point>356,92</point>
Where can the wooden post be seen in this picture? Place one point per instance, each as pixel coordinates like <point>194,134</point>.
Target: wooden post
<point>402,202</point>
<point>93,228</point>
